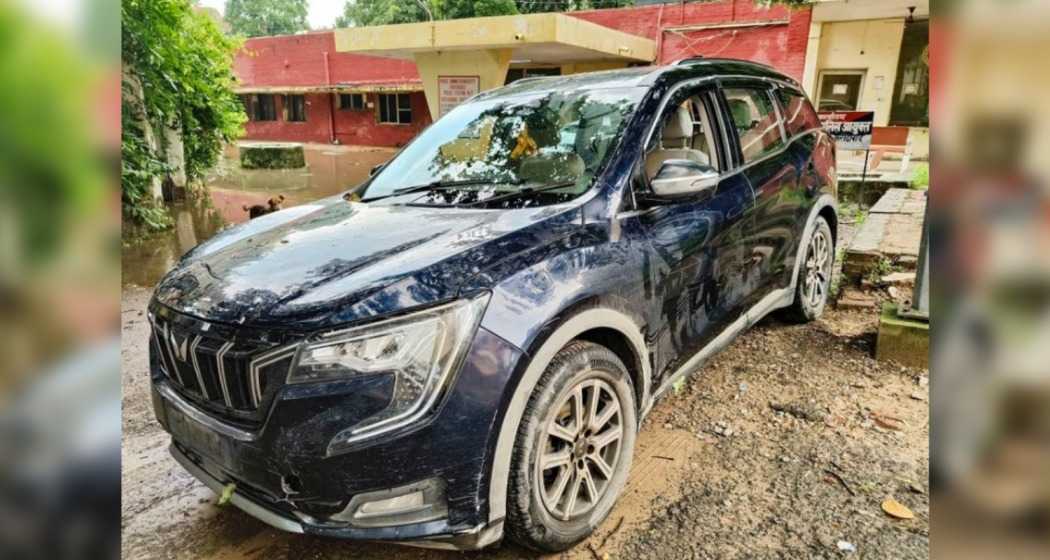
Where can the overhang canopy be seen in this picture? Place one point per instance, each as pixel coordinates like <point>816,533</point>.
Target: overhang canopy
<point>357,87</point>
<point>534,39</point>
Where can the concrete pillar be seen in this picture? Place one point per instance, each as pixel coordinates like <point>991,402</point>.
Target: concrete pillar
<point>490,65</point>
<point>809,72</point>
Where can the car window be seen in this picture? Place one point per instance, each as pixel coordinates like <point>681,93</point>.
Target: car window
<point>510,143</point>
<point>799,115</point>
<point>686,132</point>
<point>755,121</point>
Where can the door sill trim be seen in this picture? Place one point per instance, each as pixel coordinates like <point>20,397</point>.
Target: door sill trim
<point>774,300</point>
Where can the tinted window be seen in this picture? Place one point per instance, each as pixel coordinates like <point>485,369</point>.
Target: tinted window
<point>799,115</point>
<point>755,121</point>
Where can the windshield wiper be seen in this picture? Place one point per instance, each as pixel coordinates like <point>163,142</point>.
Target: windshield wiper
<point>434,186</point>
<point>523,192</point>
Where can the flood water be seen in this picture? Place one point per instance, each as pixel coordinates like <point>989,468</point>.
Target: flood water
<point>329,170</point>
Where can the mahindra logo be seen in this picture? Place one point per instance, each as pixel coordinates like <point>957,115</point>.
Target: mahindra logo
<point>180,350</point>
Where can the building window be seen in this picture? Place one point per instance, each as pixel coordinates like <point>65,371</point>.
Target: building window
<point>262,108</point>
<point>911,89</point>
<point>395,108</point>
<point>840,90</point>
<point>755,121</point>
<point>295,108</point>
<point>352,101</point>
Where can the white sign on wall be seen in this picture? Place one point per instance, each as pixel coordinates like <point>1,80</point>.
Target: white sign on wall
<point>453,90</point>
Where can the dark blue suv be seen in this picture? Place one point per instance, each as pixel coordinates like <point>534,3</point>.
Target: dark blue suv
<point>466,344</point>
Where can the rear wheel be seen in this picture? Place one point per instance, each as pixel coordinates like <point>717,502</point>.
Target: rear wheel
<point>814,274</point>
<point>573,449</point>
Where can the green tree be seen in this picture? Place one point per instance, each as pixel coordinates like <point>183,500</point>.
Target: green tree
<point>177,74</point>
<point>456,9</point>
<point>542,6</point>
<point>359,13</point>
<point>258,18</point>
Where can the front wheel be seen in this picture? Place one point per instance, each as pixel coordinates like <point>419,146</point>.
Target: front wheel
<point>573,449</point>
<point>814,274</point>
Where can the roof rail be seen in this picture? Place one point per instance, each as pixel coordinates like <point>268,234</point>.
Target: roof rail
<point>688,60</point>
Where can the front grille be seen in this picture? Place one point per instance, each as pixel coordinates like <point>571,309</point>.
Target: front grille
<point>213,365</point>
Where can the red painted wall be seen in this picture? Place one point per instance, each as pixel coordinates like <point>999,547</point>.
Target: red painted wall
<point>782,46</point>
<point>300,60</point>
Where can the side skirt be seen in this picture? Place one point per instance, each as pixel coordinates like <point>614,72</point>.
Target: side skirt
<point>776,299</point>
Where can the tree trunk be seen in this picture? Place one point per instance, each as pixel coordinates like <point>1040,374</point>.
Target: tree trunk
<point>137,108</point>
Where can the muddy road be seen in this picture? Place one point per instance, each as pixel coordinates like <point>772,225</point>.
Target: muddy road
<point>737,464</point>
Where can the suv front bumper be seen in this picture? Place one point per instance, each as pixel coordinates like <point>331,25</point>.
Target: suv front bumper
<point>283,477</point>
<point>432,534</point>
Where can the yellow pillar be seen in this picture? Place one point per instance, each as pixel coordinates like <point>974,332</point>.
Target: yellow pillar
<point>809,73</point>
<point>489,65</point>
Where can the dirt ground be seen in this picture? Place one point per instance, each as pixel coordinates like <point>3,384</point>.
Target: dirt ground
<point>784,446</point>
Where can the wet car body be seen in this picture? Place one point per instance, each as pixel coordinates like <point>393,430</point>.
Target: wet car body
<point>662,284</point>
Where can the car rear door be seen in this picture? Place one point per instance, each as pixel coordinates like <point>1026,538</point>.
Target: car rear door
<point>772,170</point>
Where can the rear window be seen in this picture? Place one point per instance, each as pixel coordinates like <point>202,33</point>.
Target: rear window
<point>755,121</point>
<point>799,115</point>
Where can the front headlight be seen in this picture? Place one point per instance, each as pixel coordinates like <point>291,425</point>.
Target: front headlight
<point>421,350</point>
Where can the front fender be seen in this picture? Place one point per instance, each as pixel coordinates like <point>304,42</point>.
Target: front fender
<point>579,286</point>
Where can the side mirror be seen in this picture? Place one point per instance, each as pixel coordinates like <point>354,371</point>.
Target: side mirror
<point>683,177</point>
<point>376,169</point>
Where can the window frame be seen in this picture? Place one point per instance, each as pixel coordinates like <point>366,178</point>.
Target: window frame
<point>707,92</point>
<point>783,108</point>
<point>257,106</point>
<point>766,87</point>
<point>289,104</point>
<point>398,110</point>
<point>862,72</point>
<point>351,96</point>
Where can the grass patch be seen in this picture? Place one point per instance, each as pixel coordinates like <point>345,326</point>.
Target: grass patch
<point>920,177</point>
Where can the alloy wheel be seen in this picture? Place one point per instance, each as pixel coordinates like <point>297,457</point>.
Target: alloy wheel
<point>818,269</point>
<point>580,449</point>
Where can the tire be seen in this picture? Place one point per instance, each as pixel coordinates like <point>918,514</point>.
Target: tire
<point>538,516</point>
<point>814,273</point>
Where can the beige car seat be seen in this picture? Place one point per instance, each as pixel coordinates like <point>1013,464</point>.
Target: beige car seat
<point>675,141</point>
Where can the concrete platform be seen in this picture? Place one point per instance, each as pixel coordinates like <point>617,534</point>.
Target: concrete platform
<point>902,340</point>
<point>889,235</point>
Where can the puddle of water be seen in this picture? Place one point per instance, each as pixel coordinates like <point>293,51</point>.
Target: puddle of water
<point>329,170</point>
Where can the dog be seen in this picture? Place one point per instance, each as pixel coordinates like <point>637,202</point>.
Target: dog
<point>272,205</point>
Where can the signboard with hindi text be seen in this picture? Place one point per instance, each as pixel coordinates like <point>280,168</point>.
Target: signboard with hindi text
<point>453,90</point>
<point>850,129</point>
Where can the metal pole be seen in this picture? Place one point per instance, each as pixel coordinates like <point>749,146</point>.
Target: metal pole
<point>863,178</point>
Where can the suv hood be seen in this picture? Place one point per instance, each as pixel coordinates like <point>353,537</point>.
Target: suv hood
<point>334,262</point>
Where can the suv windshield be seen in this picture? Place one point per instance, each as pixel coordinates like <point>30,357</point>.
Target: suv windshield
<point>522,150</point>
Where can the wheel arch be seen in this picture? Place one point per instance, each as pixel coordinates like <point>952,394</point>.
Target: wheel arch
<point>825,207</point>
<point>601,324</point>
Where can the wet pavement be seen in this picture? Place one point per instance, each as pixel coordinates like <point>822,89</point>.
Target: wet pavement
<point>329,170</point>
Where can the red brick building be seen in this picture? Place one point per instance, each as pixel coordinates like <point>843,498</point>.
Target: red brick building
<point>299,88</point>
